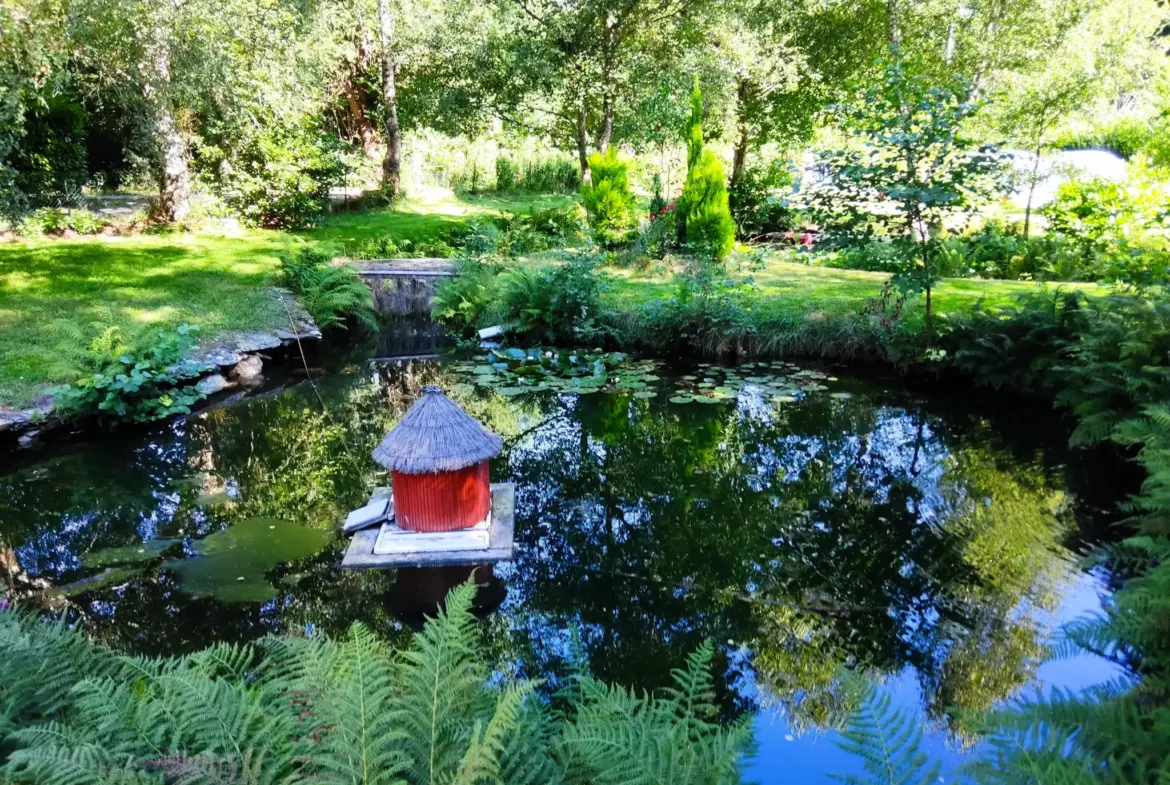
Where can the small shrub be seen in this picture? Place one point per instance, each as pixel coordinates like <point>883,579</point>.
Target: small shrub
<point>759,203</point>
<point>46,220</point>
<point>706,214</point>
<point>120,383</point>
<point>333,295</point>
<point>85,222</point>
<point>555,303</point>
<point>657,200</point>
<point>608,199</point>
<point>506,175</point>
<point>659,235</point>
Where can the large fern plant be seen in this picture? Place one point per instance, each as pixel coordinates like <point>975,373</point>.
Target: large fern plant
<point>333,294</point>
<point>294,710</point>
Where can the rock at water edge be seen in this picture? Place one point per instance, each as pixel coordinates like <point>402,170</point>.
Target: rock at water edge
<point>210,385</point>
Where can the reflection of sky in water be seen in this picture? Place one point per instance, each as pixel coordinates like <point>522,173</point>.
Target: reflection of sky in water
<point>786,756</point>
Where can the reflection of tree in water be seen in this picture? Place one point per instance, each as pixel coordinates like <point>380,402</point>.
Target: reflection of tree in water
<point>826,533</point>
<point>831,533</point>
<point>293,456</point>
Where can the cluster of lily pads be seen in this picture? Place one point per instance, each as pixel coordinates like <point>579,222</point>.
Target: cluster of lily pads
<point>780,382</point>
<point>516,371</point>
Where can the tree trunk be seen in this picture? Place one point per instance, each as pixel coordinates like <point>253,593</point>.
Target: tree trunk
<point>170,148</point>
<point>392,161</point>
<point>360,123</point>
<point>741,144</point>
<point>894,19</point>
<point>603,139</point>
<point>607,88</point>
<point>1031,191</point>
<point>929,318</point>
<point>583,143</point>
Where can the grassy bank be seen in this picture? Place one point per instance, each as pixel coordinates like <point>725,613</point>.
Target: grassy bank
<point>218,281</point>
<point>786,289</point>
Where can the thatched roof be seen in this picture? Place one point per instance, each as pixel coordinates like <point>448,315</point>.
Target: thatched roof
<point>436,436</point>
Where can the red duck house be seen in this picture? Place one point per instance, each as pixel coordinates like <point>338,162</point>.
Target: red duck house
<point>438,461</point>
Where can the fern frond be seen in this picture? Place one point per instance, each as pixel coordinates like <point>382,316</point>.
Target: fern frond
<point>484,756</point>
<point>439,688</point>
<point>889,744</point>
<point>84,764</point>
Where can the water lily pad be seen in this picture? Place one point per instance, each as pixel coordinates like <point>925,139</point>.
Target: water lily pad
<point>645,394</point>
<point>682,399</point>
<point>841,395</point>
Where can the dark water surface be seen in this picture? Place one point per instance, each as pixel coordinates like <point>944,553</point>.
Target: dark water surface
<point>928,543</point>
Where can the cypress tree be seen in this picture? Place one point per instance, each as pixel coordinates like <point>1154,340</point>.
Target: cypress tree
<point>704,209</point>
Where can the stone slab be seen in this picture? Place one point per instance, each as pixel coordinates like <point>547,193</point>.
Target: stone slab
<point>361,556</point>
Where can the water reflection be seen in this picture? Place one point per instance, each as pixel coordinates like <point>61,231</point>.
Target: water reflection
<point>862,530</point>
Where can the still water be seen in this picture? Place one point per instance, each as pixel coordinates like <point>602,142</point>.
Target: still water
<point>805,521</point>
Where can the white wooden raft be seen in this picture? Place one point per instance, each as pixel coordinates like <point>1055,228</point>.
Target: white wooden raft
<point>432,551</point>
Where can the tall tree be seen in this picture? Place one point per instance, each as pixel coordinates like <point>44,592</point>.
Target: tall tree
<point>596,47</point>
<point>392,132</point>
<point>788,61</point>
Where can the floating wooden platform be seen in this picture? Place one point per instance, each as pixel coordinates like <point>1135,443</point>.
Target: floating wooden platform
<point>361,556</point>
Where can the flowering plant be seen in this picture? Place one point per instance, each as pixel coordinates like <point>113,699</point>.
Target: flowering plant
<point>662,213</point>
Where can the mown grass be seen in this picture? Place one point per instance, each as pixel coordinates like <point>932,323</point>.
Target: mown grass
<point>785,290</point>
<point>420,218</point>
<point>145,281</point>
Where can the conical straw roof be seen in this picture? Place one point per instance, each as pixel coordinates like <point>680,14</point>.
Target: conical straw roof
<point>436,436</point>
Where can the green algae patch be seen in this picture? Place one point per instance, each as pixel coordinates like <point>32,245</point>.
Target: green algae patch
<point>232,565</point>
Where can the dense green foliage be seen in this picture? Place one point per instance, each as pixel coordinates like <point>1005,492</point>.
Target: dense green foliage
<point>115,382</point>
<point>554,303</point>
<point>279,176</point>
<point>613,211</point>
<point>333,294</point>
<point>759,201</point>
<point>314,710</point>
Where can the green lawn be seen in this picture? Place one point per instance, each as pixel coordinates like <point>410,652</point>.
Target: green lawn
<point>219,281</point>
<point>216,281</point>
<point>420,218</point>
<point>788,289</point>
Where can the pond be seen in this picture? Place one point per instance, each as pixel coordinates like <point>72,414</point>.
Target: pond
<point>803,519</point>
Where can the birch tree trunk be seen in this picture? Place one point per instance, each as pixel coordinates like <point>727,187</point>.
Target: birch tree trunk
<point>392,161</point>
<point>583,143</point>
<point>170,148</point>
<point>739,159</point>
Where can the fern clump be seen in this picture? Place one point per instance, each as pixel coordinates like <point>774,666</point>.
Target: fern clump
<point>295,710</point>
<point>333,294</point>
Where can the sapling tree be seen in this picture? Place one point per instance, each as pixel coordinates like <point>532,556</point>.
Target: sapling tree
<point>911,173</point>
